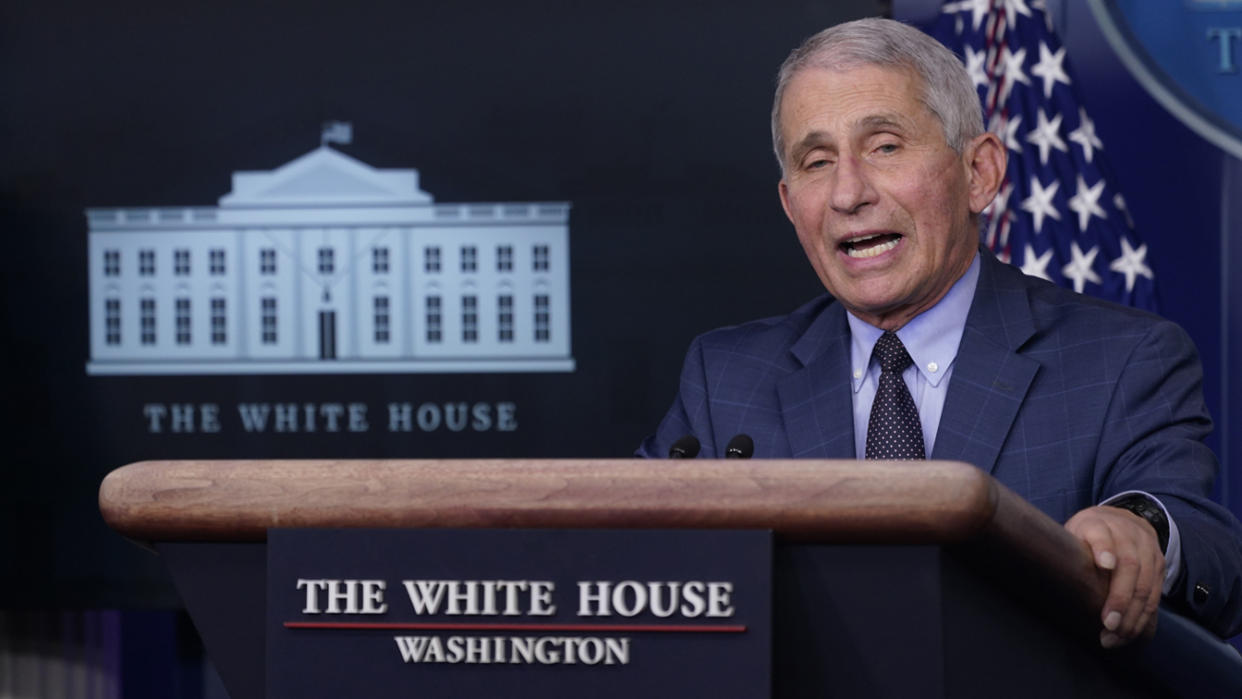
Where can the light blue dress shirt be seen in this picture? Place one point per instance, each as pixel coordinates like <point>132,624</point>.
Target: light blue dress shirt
<point>932,339</point>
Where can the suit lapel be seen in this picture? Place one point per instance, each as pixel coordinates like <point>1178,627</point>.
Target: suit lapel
<point>990,378</point>
<point>815,400</point>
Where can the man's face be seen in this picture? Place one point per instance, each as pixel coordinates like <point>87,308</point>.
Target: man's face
<point>882,205</point>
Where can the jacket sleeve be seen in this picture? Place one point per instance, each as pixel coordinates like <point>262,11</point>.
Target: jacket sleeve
<point>1153,441</point>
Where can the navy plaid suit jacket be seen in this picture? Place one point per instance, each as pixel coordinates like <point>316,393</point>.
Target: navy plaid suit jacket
<point>1065,399</point>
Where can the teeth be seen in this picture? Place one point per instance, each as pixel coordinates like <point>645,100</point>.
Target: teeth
<point>872,251</point>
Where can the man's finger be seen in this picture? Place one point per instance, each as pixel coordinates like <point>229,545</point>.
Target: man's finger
<point>1148,590</point>
<point>1136,596</point>
<point>1089,527</point>
<point>1118,615</point>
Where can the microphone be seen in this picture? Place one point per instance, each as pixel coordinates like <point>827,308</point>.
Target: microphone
<point>685,448</point>
<point>740,447</point>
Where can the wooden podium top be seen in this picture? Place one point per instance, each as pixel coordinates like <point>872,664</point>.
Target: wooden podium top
<point>926,502</point>
<point>829,501</point>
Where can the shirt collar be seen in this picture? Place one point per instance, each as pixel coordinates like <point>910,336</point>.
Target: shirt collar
<point>932,337</point>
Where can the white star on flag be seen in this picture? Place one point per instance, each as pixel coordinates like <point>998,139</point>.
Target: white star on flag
<point>1131,263</point>
<point>1049,68</point>
<point>1042,6</point>
<point>1086,203</point>
<point>1046,135</point>
<point>1079,269</point>
<point>978,10</point>
<point>1013,71</point>
<point>1009,131</point>
<point>974,66</point>
<point>1085,136</point>
<point>1039,204</point>
<point>1036,266</point>
<point>1013,8</point>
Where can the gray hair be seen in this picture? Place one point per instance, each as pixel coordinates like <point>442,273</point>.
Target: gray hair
<point>948,91</point>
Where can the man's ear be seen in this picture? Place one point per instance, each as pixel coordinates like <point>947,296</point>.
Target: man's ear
<point>783,189</point>
<point>984,158</point>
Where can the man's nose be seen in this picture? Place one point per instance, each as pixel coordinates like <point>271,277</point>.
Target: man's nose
<point>851,189</point>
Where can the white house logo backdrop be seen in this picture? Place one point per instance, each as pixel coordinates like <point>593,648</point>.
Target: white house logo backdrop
<point>1187,55</point>
<point>327,265</point>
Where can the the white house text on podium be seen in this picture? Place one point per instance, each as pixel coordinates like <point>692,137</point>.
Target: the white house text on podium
<point>329,265</point>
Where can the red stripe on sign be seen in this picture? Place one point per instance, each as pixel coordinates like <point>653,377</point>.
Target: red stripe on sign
<point>510,627</point>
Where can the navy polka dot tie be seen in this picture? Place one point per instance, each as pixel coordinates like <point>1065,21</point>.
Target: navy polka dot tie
<point>894,431</point>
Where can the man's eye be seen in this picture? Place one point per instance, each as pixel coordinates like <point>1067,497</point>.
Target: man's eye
<point>817,164</point>
<point>887,148</point>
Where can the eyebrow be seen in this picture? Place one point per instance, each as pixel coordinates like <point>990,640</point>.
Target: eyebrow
<point>809,142</point>
<point>883,121</point>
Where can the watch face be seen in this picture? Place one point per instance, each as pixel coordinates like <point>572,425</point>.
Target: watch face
<point>1148,510</point>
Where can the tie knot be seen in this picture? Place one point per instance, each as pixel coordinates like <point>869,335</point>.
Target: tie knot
<point>891,353</point>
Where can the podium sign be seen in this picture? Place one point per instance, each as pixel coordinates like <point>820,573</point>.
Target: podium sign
<point>518,613</point>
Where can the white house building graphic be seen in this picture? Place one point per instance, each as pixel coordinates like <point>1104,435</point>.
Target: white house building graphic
<point>327,265</point>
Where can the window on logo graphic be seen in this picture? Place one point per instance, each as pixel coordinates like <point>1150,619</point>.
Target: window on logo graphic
<point>181,262</point>
<point>267,261</point>
<point>382,320</point>
<point>112,321</point>
<point>504,317</point>
<point>215,261</point>
<point>431,258</point>
<point>219,334</point>
<point>469,258</point>
<point>267,318</point>
<point>433,319</point>
<point>542,318</point>
<point>112,263</point>
<point>379,260</point>
<point>469,318</point>
<point>541,258</point>
<point>327,260</point>
<point>182,319</point>
<point>146,320</point>
<point>146,262</point>
<point>504,258</point>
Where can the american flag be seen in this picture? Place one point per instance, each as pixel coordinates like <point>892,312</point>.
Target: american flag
<point>1059,214</point>
<point>336,132</point>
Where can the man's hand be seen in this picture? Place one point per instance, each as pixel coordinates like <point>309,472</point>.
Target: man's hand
<point>1124,544</point>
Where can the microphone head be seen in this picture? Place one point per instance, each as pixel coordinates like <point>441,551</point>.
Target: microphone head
<point>685,448</point>
<point>740,447</point>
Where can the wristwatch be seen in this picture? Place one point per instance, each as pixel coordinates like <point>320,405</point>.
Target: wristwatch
<point>1144,507</point>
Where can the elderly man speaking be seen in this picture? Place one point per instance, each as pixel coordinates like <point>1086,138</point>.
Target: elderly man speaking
<point>927,346</point>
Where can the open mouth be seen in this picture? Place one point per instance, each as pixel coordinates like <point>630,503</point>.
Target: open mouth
<point>870,245</point>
